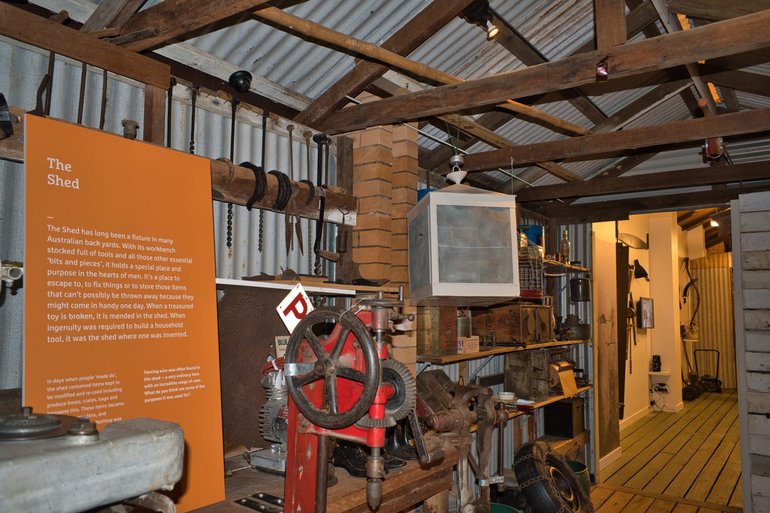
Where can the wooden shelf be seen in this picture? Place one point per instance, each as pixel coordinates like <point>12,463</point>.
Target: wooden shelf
<point>524,409</point>
<point>529,408</point>
<point>310,286</point>
<point>567,267</point>
<point>492,351</point>
<point>565,446</point>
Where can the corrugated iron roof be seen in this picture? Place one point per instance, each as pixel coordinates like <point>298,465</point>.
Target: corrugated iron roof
<point>554,28</point>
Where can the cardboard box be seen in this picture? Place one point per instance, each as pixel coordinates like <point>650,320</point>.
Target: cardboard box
<point>466,345</point>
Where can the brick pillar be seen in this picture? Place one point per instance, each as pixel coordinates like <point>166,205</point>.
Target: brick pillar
<point>372,186</point>
<point>405,175</point>
<point>385,175</point>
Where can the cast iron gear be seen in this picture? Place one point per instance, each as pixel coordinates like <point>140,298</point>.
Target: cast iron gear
<point>403,400</point>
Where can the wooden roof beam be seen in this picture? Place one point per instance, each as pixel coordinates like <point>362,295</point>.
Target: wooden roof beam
<point>714,40</point>
<point>651,182</point>
<point>523,50</point>
<point>620,119</point>
<point>716,10</point>
<point>295,25</point>
<point>405,40</point>
<point>672,24</point>
<point>697,218</point>
<point>111,13</point>
<point>688,131</point>
<point>481,133</point>
<point>175,18</point>
<point>604,210</point>
<point>745,81</point>
<point>609,23</point>
<point>31,29</point>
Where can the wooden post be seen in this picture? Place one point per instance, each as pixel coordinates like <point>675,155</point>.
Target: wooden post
<point>154,115</point>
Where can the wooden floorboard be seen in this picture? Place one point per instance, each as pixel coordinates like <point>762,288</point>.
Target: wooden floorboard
<point>728,478</point>
<point>638,503</point>
<point>707,479</point>
<point>679,427</point>
<point>736,499</point>
<point>616,502</point>
<point>707,438</point>
<point>622,497</point>
<point>661,506</point>
<point>685,462</point>
<point>600,495</point>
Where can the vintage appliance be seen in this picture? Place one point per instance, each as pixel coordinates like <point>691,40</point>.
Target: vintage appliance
<point>462,248</point>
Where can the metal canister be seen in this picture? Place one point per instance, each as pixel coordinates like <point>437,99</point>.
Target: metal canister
<point>463,324</point>
<point>580,289</point>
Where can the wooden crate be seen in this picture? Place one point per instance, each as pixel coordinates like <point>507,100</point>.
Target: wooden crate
<point>527,374</point>
<point>518,323</point>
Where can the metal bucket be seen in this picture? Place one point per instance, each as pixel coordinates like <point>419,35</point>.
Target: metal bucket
<point>582,476</point>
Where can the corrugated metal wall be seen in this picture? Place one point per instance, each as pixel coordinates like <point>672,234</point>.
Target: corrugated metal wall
<point>22,68</point>
<point>715,318</point>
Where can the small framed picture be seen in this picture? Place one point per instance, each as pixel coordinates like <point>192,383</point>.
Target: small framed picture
<point>645,315</point>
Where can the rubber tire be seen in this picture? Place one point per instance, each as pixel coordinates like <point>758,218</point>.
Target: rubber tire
<point>559,491</point>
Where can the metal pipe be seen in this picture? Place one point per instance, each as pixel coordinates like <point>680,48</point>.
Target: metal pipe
<point>500,454</point>
<point>169,99</point>
<point>81,97</point>
<point>322,474</point>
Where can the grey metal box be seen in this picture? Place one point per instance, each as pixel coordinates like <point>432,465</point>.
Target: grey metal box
<point>462,248</point>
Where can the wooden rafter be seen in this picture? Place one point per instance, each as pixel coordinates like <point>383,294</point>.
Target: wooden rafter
<point>523,50</point>
<point>111,13</point>
<point>385,88</point>
<point>745,81</point>
<point>650,182</point>
<point>672,24</point>
<point>174,18</point>
<point>696,218</point>
<point>621,209</point>
<point>623,166</point>
<point>641,105</point>
<point>716,10</point>
<point>440,155</point>
<point>29,28</point>
<point>714,40</point>
<point>293,24</point>
<point>414,33</point>
<point>482,133</point>
<point>618,120</point>
<point>639,17</point>
<point>609,23</point>
<point>691,130</point>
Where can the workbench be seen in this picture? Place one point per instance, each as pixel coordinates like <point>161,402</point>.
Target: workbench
<point>402,488</point>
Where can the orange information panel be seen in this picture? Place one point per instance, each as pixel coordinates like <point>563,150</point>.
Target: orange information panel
<point>120,313</point>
